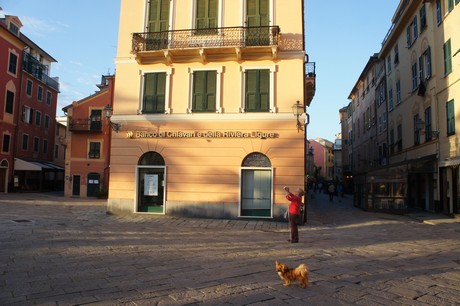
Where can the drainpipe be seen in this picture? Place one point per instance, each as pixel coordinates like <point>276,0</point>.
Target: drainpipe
<point>307,120</point>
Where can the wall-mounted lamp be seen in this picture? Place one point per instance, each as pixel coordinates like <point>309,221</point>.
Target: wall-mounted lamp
<point>108,112</point>
<point>298,110</point>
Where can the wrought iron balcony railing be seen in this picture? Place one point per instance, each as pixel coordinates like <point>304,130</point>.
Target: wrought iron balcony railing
<point>206,38</point>
<point>33,66</point>
<point>85,125</point>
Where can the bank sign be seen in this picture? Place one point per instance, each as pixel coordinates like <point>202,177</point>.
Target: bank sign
<point>200,134</point>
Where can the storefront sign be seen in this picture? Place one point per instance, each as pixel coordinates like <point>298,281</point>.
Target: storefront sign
<point>199,134</point>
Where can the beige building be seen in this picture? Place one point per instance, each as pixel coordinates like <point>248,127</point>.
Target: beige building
<point>205,95</point>
<point>418,168</point>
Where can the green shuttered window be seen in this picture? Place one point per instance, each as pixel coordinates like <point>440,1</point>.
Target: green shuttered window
<point>257,90</point>
<point>204,91</point>
<point>154,93</point>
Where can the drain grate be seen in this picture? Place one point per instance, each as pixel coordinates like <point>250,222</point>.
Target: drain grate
<point>21,221</point>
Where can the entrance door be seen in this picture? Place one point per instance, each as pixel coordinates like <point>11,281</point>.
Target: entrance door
<point>4,176</point>
<point>256,192</point>
<point>76,186</point>
<point>93,184</point>
<point>151,186</point>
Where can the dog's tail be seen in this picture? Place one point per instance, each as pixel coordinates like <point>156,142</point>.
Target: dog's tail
<point>303,270</point>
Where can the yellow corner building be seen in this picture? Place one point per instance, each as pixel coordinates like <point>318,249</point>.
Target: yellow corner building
<point>205,104</point>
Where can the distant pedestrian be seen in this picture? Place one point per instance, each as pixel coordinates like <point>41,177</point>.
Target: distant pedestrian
<point>331,190</point>
<point>340,191</point>
<point>294,212</point>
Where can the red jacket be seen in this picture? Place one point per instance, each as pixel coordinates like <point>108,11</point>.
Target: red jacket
<point>296,201</point>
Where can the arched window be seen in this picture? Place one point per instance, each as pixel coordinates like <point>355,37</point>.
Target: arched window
<point>152,159</point>
<point>256,160</point>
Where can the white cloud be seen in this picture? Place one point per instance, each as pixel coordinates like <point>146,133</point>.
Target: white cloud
<point>40,27</point>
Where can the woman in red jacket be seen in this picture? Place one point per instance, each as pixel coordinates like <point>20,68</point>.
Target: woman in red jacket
<point>294,212</point>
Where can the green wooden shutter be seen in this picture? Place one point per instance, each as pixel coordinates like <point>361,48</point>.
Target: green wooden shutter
<point>264,90</point>
<point>204,91</point>
<point>257,16</point>
<point>257,90</point>
<point>158,25</point>
<point>447,58</point>
<point>158,16</point>
<point>206,14</point>
<point>154,93</point>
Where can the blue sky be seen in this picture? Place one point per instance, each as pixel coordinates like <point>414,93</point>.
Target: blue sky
<point>82,36</point>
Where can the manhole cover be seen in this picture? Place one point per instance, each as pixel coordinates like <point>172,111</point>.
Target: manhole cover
<point>21,221</point>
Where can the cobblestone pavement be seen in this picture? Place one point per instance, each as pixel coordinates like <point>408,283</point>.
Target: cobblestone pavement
<point>58,251</point>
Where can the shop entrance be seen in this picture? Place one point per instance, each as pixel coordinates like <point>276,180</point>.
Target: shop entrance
<point>151,172</point>
<point>93,184</point>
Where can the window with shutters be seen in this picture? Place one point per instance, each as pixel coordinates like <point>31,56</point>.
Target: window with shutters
<point>204,91</point>
<point>257,90</point>
<point>206,16</point>
<point>25,142</point>
<point>36,144</point>
<point>158,24</point>
<point>9,102</point>
<point>153,100</point>
<point>13,64</point>
<point>94,150</point>
<point>6,143</point>
<point>257,21</point>
<point>447,57</point>
<point>450,115</point>
<point>29,87</point>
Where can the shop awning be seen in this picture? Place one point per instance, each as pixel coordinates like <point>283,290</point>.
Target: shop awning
<point>450,162</point>
<point>33,165</point>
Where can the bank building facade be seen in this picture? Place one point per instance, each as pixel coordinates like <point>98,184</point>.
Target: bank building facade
<point>209,108</point>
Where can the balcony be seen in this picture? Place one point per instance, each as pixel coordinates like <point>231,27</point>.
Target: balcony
<point>227,43</point>
<point>33,66</point>
<point>310,82</point>
<point>85,125</point>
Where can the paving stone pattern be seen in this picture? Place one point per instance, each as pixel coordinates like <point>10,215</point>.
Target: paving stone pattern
<point>58,251</point>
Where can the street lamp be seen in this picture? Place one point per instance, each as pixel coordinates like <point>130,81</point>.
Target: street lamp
<point>298,110</point>
<point>108,112</point>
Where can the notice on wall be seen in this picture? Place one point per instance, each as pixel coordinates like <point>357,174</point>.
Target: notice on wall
<point>151,184</point>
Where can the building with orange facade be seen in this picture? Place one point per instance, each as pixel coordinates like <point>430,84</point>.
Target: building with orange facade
<point>205,95</point>
<point>88,143</point>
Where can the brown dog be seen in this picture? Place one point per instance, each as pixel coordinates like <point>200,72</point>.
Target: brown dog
<point>288,275</point>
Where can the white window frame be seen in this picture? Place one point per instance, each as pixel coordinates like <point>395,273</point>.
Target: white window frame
<point>219,70</point>
<point>168,72</point>
<point>240,186</point>
<point>273,69</point>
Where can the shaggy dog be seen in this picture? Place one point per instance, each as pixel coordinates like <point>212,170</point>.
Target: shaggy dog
<point>289,275</point>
